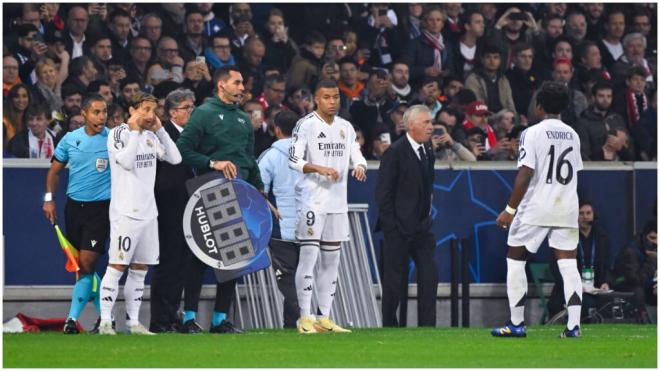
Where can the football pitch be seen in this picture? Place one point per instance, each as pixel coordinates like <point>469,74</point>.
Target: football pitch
<point>605,346</point>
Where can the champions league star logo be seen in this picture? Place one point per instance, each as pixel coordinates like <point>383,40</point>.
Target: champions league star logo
<point>227,225</point>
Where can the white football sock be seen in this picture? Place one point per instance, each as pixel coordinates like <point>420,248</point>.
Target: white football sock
<point>516,289</point>
<point>109,292</point>
<point>309,252</point>
<point>572,290</point>
<point>326,282</point>
<point>133,290</point>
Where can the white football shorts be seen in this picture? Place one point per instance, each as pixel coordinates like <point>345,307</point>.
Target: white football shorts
<point>315,226</point>
<point>134,241</point>
<point>531,236</point>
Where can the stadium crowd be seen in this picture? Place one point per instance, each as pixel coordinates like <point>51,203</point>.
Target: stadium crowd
<point>475,66</point>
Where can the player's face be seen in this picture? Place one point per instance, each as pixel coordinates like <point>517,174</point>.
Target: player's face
<point>232,87</point>
<point>95,117</point>
<point>148,112</point>
<point>327,101</point>
<point>586,216</point>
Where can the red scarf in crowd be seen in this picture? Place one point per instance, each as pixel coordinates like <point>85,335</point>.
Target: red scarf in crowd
<point>438,44</point>
<point>632,109</point>
<point>492,138</point>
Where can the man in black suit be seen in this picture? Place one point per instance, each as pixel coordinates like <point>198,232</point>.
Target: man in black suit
<point>171,199</point>
<point>404,192</point>
<point>77,22</point>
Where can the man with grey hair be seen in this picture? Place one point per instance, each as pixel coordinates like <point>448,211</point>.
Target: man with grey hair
<point>634,49</point>
<point>403,193</point>
<point>171,198</point>
<point>151,27</point>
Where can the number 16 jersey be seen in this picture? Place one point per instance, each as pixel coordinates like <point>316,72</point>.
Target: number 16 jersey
<point>552,149</point>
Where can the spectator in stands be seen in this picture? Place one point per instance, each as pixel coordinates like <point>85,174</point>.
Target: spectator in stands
<point>400,80</point>
<point>395,120</point>
<point>641,23</point>
<point>429,95</point>
<point>116,116</point>
<point>218,54</point>
<point>241,27</point>
<point>524,81</point>
<point>133,16</point>
<point>453,119</point>
<point>335,48</point>
<point>595,23</point>
<point>476,116</point>
<point>151,28</point>
<point>101,53</point>
<point>451,85</point>
<point>77,22</point>
<point>563,73</point>
<point>446,148</point>
<point>192,42</point>
<point>468,48</point>
<point>173,16</point>
<point>598,124</point>
<point>71,98</point>
<point>128,87</point>
<point>475,143</point>
<point>75,121</point>
<point>381,33</point>
<point>636,267</point>
<point>10,76</point>
<point>300,101</point>
<point>576,26</point>
<point>588,59</point>
<point>35,140</point>
<point>81,72</point>
<point>645,132</point>
<point>370,112</point>
<point>280,48</point>
<point>168,65</point>
<point>489,83</point>
<point>50,79</point>
<point>593,253</point>
<point>428,55</point>
<point>119,24</point>
<point>305,67</point>
<point>14,110</point>
<point>411,21</point>
<point>212,24</point>
<point>198,79</point>
<point>28,51</point>
<point>274,92</point>
<point>514,26</point>
<point>262,137</point>
<point>349,85</point>
<point>634,46</point>
<point>116,73</point>
<point>102,88</point>
<point>544,43</point>
<point>253,52</point>
<point>329,70</point>
<point>556,9</point>
<point>502,122</point>
<point>140,56</point>
<point>610,45</point>
<point>561,49</point>
<point>632,100</point>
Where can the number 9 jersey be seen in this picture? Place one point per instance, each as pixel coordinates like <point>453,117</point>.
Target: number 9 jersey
<point>552,149</point>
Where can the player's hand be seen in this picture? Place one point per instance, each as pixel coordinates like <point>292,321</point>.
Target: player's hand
<point>134,122</point>
<point>504,220</point>
<point>359,173</point>
<point>227,167</point>
<point>156,124</point>
<point>329,172</point>
<point>274,210</point>
<point>49,211</point>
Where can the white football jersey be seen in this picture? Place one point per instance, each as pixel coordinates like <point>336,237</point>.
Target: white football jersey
<point>552,149</point>
<point>330,145</point>
<point>133,158</point>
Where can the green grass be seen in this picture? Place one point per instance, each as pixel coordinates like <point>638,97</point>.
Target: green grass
<point>601,346</point>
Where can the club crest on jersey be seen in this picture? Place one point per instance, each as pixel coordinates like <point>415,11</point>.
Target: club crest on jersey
<point>150,143</point>
<point>342,134</point>
<point>101,164</point>
<point>310,232</point>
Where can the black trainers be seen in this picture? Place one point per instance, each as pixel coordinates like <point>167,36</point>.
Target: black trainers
<point>162,328</point>
<point>95,330</point>
<point>225,327</point>
<point>190,327</point>
<point>71,327</point>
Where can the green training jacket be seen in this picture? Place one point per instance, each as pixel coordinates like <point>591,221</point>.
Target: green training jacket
<point>221,132</point>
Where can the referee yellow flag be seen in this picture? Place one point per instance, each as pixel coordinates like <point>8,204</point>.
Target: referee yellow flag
<point>70,252</point>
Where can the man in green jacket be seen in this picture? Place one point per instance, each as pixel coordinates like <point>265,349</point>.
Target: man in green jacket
<point>218,137</point>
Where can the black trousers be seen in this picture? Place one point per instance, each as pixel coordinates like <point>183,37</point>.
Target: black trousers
<point>396,254</point>
<point>194,276</point>
<point>167,281</point>
<point>285,255</point>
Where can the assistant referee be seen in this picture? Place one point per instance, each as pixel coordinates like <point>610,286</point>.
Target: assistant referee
<point>88,200</point>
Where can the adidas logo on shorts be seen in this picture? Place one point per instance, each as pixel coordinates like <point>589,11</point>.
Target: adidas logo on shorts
<point>107,298</point>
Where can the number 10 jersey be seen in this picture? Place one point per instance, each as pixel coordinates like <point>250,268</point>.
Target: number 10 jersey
<point>552,149</point>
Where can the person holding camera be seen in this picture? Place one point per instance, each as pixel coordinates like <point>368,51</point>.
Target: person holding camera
<point>446,148</point>
<point>514,26</point>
